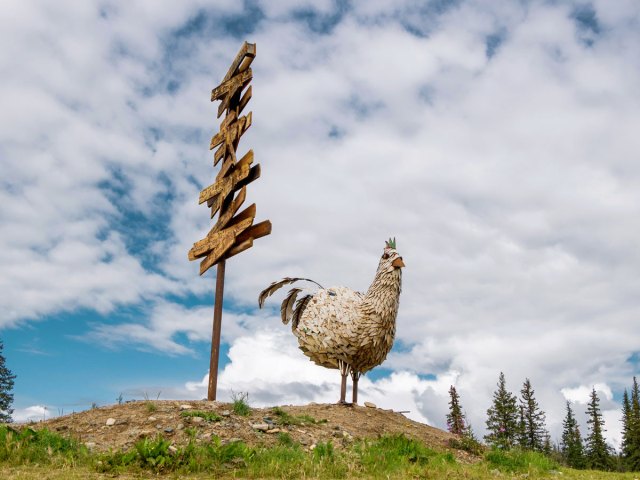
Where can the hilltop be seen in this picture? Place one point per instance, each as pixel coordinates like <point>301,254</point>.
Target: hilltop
<point>121,426</point>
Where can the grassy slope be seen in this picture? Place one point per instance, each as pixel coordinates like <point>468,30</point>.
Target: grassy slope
<point>479,471</point>
<point>30,454</point>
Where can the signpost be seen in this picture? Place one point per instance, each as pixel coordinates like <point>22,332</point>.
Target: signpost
<point>232,234</point>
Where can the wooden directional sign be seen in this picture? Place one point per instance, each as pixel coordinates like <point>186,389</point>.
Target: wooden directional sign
<point>232,234</point>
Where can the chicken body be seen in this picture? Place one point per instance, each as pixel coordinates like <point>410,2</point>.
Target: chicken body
<point>344,329</point>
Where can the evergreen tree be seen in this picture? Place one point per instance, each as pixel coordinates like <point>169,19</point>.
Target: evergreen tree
<point>520,436</point>
<point>598,456</point>
<point>502,421</point>
<point>627,421</point>
<point>631,429</point>
<point>533,432</point>
<point>455,417</point>
<point>6,385</point>
<point>571,447</point>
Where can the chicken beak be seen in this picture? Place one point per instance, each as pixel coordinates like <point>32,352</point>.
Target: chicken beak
<point>398,263</point>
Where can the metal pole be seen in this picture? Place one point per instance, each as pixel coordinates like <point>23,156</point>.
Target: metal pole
<point>215,336</point>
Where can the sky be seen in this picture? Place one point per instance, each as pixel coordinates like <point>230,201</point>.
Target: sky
<point>497,141</point>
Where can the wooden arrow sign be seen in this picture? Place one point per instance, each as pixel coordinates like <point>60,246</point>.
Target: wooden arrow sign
<point>234,232</point>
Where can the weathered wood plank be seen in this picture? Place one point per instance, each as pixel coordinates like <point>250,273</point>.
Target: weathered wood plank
<point>216,241</point>
<point>254,174</point>
<point>236,249</point>
<point>247,50</point>
<point>259,230</point>
<point>228,213</point>
<point>227,183</point>
<point>219,245</point>
<point>244,100</point>
<point>228,87</point>
<point>228,137</point>
<point>244,241</point>
<point>229,100</point>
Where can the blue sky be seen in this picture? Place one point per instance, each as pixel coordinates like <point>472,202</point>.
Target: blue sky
<point>495,140</point>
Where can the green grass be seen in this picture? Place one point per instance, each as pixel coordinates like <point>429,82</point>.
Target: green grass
<point>28,446</point>
<point>240,403</point>
<point>33,455</point>
<point>286,419</point>
<point>208,416</point>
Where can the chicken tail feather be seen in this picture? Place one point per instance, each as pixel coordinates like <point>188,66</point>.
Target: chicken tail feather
<point>286,309</point>
<point>275,286</point>
<point>297,312</point>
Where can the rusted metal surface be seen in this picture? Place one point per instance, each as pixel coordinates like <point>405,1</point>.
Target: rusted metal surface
<point>215,334</point>
<point>233,232</point>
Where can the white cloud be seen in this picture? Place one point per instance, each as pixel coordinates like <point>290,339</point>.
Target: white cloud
<point>33,413</point>
<point>582,393</point>
<point>269,366</point>
<point>511,183</point>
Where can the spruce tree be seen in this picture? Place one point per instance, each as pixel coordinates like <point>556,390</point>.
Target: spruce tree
<point>626,444</point>
<point>571,447</point>
<point>598,456</point>
<point>502,418</point>
<point>6,385</point>
<point>631,430</point>
<point>455,417</point>
<point>533,433</point>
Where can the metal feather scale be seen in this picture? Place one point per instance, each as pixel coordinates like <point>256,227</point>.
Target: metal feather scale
<point>286,309</point>
<point>275,286</point>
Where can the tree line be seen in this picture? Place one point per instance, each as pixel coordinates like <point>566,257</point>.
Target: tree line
<point>520,423</point>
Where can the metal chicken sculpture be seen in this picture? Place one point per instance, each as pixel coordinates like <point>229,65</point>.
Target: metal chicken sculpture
<point>231,234</point>
<point>340,328</point>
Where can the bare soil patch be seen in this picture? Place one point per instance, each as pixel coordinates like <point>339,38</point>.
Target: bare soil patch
<point>118,427</point>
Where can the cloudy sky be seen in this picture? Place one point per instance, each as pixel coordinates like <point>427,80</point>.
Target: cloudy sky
<point>497,141</point>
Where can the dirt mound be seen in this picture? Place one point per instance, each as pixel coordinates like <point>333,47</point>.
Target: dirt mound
<point>121,426</point>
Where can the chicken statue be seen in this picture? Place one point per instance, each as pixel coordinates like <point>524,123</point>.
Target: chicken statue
<point>343,329</point>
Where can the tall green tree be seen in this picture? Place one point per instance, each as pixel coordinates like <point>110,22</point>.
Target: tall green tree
<point>502,418</point>
<point>534,432</point>
<point>631,428</point>
<point>571,447</point>
<point>627,442</point>
<point>6,386</point>
<point>597,451</point>
<point>455,418</point>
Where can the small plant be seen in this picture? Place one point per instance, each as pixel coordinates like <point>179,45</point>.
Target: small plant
<point>208,416</point>
<point>285,418</point>
<point>324,450</point>
<point>151,407</point>
<point>240,403</point>
<point>285,439</point>
<point>521,461</point>
<point>468,442</point>
<point>42,447</point>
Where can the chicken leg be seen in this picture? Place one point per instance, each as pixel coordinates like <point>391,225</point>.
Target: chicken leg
<point>355,376</point>
<point>344,372</point>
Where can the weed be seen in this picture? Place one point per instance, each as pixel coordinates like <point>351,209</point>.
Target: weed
<point>29,446</point>
<point>240,403</point>
<point>151,406</point>
<point>285,418</point>
<point>285,439</point>
<point>324,450</point>
<point>468,444</point>
<point>208,416</point>
<point>521,461</point>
